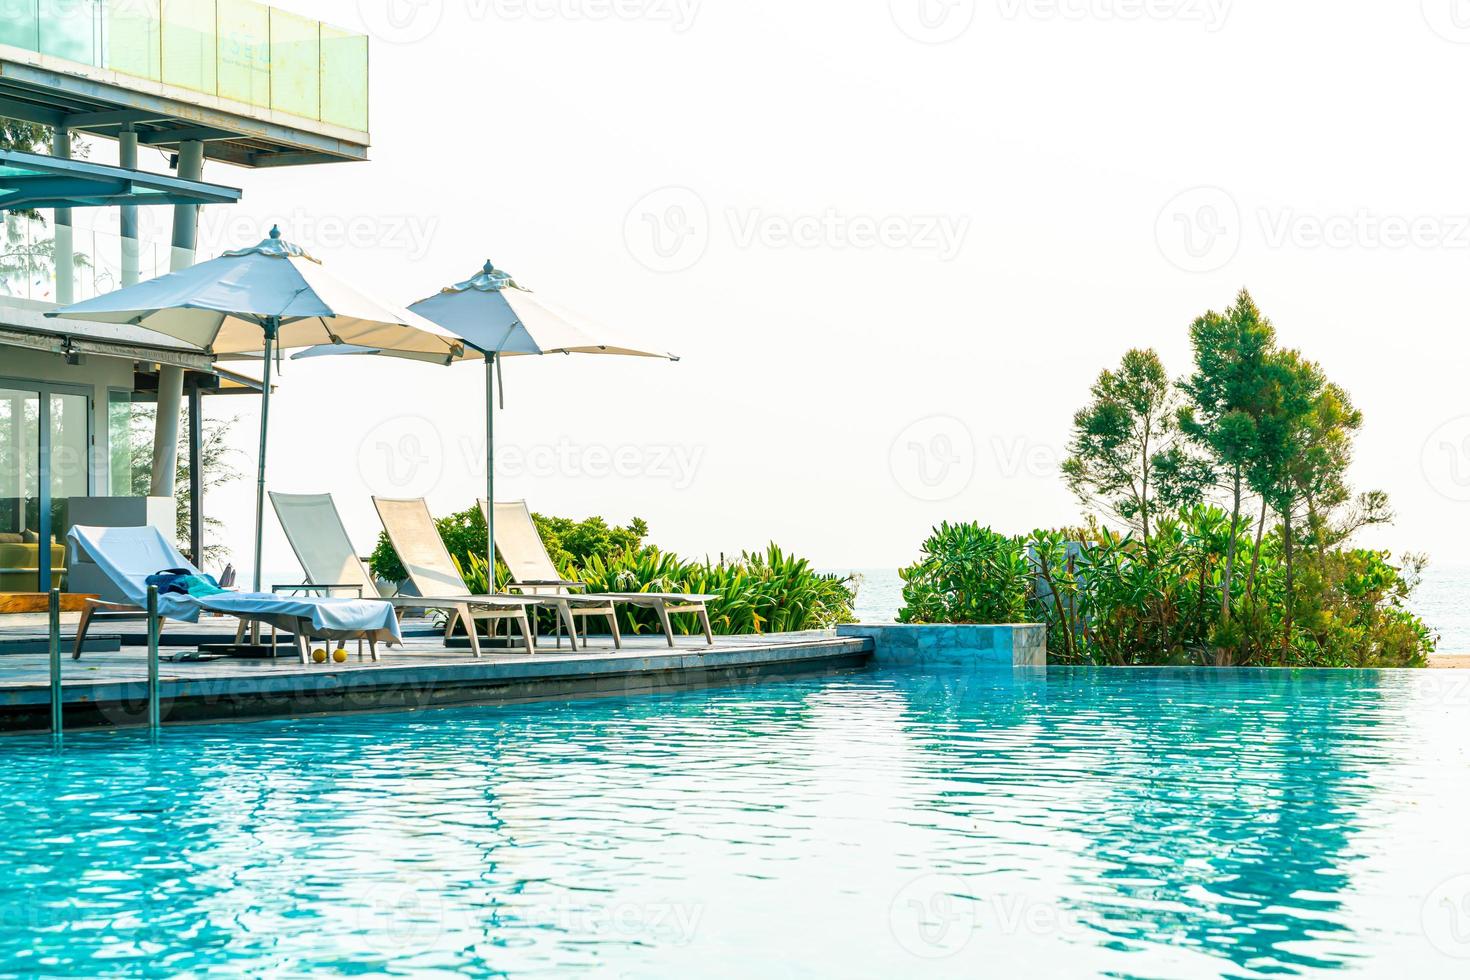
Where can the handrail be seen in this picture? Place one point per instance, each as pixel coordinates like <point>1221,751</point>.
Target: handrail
<point>53,649</point>
<point>154,717</point>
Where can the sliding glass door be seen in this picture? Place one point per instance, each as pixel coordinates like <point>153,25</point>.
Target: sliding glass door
<point>20,489</point>
<point>45,457</point>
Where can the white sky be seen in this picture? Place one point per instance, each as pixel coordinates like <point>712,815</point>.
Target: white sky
<point>1027,175</point>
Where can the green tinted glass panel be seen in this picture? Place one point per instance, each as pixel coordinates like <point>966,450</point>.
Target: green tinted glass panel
<point>127,424</point>
<point>20,486</point>
<point>245,52</point>
<point>188,44</point>
<point>344,78</point>
<point>131,37</point>
<point>69,29</point>
<point>295,65</point>
<point>20,24</point>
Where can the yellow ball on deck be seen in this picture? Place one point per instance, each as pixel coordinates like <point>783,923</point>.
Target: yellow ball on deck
<point>340,655</point>
<point>319,656</point>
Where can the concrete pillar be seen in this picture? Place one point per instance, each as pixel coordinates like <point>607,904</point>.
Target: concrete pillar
<point>171,379</point>
<point>61,225</point>
<point>186,216</point>
<point>127,156</point>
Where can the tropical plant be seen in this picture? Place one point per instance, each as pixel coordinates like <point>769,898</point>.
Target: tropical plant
<point>570,543</point>
<point>760,592</point>
<point>966,574</point>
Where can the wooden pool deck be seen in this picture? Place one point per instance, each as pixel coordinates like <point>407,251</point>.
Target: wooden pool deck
<point>107,687</point>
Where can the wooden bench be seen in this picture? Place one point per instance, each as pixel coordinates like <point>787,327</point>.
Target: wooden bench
<point>18,603</point>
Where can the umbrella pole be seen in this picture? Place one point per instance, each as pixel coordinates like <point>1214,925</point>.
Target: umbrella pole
<point>272,325</point>
<point>490,470</point>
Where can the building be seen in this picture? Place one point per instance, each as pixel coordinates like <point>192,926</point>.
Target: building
<point>210,82</point>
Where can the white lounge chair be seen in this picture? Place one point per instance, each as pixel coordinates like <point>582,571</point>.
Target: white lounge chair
<point>319,539</point>
<point>533,572</point>
<point>434,576</point>
<point>129,555</point>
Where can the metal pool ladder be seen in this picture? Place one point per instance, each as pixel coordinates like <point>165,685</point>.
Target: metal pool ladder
<point>53,649</point>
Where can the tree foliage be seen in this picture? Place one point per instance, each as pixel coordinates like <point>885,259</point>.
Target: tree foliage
<point>1243,461</point>
<point>1125,454</point>
<point>217,465</point>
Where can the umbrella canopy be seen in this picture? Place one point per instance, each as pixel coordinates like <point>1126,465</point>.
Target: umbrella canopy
<point>254,300</point>
<point>497,317</point>
<point>224,305</point>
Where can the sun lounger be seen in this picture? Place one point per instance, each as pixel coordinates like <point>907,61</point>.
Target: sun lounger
<point>319,539</point>
<point>532,572</point>
<point>129,555</point>
<point>434,576</point>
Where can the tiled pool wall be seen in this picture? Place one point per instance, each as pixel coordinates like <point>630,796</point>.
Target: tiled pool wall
<point>1019,645</point>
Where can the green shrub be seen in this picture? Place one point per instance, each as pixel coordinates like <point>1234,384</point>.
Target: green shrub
<point>761,592</point>
<point>966,574</point>
<point>1109,600</point>
<point>568,542</point>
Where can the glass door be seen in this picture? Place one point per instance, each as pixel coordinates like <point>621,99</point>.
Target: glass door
<point>69,452</point>
<point>45,457</point>
<point>20,490</point>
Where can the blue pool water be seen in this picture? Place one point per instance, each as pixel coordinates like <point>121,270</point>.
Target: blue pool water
<point>1064,823</point>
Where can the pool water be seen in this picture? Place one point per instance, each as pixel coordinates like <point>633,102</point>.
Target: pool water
<point>986,823</point>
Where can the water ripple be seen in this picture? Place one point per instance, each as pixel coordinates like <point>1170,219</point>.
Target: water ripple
<point>1075,822</point>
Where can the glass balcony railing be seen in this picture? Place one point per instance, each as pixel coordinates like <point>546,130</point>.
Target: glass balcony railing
<point>234,49</point>
<point>34,265</point>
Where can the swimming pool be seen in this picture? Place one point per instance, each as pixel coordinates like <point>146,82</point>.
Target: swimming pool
<point>995,822</point>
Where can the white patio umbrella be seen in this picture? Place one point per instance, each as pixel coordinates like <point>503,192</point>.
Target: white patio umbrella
<point>261,299</point>
<point>497,317</point>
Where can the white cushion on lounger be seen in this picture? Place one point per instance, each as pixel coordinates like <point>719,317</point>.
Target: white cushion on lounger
<point>128,555</point>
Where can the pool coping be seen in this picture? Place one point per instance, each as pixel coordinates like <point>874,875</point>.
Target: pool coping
<point>250,693</point>
<point>953,644</point>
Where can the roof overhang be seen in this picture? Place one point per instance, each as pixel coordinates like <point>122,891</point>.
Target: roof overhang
<point>31,180</point>
<point>52,92</point>
<point>23,324</point>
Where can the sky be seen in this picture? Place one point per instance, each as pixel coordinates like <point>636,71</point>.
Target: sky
<point>892,241</point>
